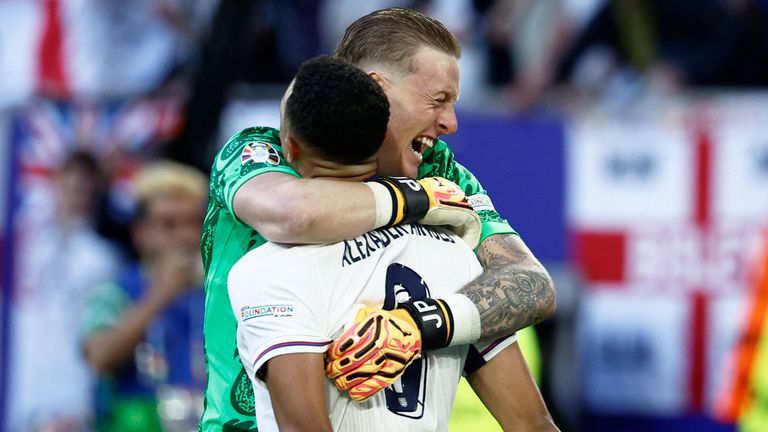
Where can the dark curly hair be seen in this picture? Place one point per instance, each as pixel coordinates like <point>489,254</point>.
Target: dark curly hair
<point>338,110</point>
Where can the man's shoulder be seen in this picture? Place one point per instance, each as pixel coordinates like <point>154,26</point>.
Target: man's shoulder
<point>265,133</point>
<point>256,134</point>
<point>270,254</point>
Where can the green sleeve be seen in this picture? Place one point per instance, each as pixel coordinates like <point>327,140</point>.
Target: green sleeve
<point>439,162</point>
<point>248,153</point>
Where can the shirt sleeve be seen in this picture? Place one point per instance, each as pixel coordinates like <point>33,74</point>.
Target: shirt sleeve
<point>481,353</point>
<point>277,312</point>
<point>439,161</point>
<point>248,153</point>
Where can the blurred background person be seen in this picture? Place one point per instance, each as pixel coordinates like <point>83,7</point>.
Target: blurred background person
<point>144,329</point>
<point>63,263</point>
<point>634,47</point>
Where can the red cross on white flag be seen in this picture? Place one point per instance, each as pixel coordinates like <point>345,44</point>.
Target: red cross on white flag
<point>662,209</point>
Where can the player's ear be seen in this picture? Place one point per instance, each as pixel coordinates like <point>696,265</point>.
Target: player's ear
<point>379,78</point>
<point>291,149</point>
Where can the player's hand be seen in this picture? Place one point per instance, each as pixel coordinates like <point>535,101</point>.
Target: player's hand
<point>373,352</point>
<point>448,206</point>
<point>430,201</point>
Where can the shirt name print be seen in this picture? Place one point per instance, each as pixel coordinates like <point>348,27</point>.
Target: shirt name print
<point>362,247</point>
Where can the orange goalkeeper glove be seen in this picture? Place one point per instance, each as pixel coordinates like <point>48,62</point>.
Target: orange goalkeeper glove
<point>373,352</point>
<point>429,201</point>
<point>448,206</point>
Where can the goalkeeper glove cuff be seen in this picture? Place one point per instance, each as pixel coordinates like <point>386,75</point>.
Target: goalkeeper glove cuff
<point>437,320</point>
<point>398,200</point>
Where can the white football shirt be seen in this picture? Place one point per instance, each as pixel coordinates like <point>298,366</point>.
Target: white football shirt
<point>297,299</point>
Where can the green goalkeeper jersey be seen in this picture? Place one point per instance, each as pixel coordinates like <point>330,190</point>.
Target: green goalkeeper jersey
<point>229,404</point>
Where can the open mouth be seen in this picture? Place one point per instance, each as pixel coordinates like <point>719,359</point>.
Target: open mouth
<point>419,144</point>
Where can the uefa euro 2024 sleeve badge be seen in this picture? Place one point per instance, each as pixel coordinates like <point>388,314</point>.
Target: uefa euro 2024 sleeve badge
<point>259,152</point>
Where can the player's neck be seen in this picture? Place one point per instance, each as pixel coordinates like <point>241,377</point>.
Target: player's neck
<point>316,167</point>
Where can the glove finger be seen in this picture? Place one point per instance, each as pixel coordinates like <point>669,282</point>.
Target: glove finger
<point>360,338</point>
<point>363,387</point>
<point>349,374</point>
<point>357,346</point>
<point>369,387</point>
<point>389,366</point>
<point>346,365</point>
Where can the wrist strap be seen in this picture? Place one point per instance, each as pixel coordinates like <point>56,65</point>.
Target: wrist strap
<point>399,200</point>
<point>412,201</point>
<point>384,203</point>
<point>466,319</point>
<point>434,319</point>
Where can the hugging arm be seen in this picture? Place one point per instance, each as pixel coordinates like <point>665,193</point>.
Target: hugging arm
<point>287,209</point>
<point>514,291</point>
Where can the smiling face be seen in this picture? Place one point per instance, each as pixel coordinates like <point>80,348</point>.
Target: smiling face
<point>421,109</point>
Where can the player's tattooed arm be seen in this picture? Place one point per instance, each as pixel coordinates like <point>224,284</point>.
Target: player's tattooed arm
<point>515,291</point>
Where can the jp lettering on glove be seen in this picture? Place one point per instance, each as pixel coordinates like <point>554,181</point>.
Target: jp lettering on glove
<point>372,353</point>
<point>369,357</point>
<point>429,201</point>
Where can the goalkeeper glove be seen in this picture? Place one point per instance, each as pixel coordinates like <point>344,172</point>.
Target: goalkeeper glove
<point>372,353</point>
<point>366,359</point>
<point>429,201</point>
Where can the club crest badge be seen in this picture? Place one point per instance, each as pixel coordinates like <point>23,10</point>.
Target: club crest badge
<point>259,152</point>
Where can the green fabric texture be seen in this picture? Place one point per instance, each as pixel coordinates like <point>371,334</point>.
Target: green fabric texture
<point>133,415</point>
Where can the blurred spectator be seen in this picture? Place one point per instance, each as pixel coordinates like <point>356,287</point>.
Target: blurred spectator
<point>144,329</point>
<point>126,49</point>
<point>634,45</point>
<point>251,41</point>
<point>335,15</point>
<point>61,265</point>
<point>95,49</point>
<point>524,40</point>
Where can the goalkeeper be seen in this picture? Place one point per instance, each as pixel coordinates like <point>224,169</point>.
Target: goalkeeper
<point>255,196</point>
<point>291,302</point>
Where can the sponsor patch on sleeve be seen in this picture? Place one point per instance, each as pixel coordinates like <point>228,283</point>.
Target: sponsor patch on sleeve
<point>259,152</point>
<point>480,202</point>
<point>264,311</point>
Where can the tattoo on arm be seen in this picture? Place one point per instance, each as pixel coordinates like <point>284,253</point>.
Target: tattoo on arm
<point>514,291</point>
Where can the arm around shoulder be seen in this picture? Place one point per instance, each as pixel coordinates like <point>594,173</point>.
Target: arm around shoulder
<point>287,209</point>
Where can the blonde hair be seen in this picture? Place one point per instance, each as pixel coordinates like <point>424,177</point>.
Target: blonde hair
<point>169,178</point>
<point>391,37</point>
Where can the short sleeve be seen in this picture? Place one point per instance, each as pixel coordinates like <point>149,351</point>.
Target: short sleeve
<point>481,353</point>
<point>278,312</point>
<point>248,153</point>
